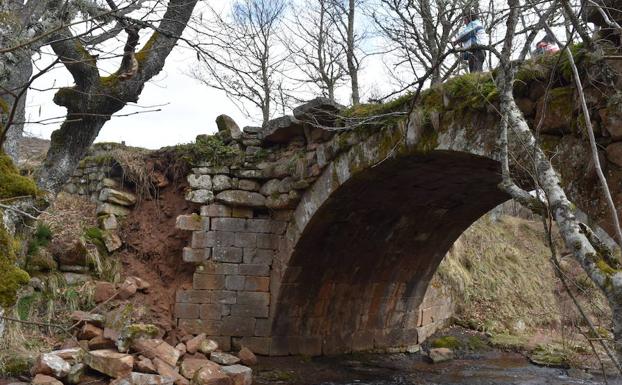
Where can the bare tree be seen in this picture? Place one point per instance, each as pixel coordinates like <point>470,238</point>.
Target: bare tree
<point>239,54</point>
<point>345,16</point>
<point>419,33</point>
<point>94,98</point>
<point>314,50</point>
<point>28,27</point>
<point>517,142</point>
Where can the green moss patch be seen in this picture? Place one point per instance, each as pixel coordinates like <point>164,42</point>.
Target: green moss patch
<point>209,149</point>
<point>450,342</point>
<point>552,355</point>
<point>12,184</point>
<point>508,341</point>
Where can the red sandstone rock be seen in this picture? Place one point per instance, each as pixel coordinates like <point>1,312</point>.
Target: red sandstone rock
<point>211,376</point>
<point>193,344</point>
<point>100,342</point>
<point>247,357</point>
<point>152,348</point>
<point>42,379</point>
<point>239,374</point>
<point>224,358</point>
<point>208,346</point>
<point>51,364</point>
<point>89,331</point>
<point>145,365</point>
<point>167,370</point>
<point>127,289</point>
<point>181,347</point>
<point>191,365</point>
<point>104,291</point>
<point>110,362</point>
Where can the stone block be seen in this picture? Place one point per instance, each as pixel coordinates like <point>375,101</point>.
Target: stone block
<point>196,255</point>
<point>219,268</point>
<point>221,183</point>
<point>200,196</point>
<point>263,328</point>
<point>248,185</point>
<point>254,270</point>
<point>221,238</point>
<point>192,222</point>
<point>245,240</point>
<point>234,282</point>
<point>258,225</point>
<point>224,342</point>
<point>200,181</point>
<point>195,296</point>
<point>208,281</point>
<point>109,208</point>
<point>229,224</point>
<point>186,310</point>
<point>108,222</point>
<point>227,254</point>
<point>241,212</point>
<point>241,198</point>
<point>225,297</point>
<point>257,284</point>
<point>258,257</point>
<point>254,298</point>
<point>200,240</point>
<point>278,227</point>
<point>215,210</point>
<point>238,326</point>
<point>267,241</point>
<point>198,326</point>
<point>213,311</point>
<point>254,310</point>
<point>209,169</point>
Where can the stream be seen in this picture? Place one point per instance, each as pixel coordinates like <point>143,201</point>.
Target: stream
<point>490,368</point>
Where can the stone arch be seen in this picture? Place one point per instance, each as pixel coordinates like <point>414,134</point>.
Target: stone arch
<point>367,237</point>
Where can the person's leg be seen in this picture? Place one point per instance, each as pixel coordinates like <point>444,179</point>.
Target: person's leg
<point>471,60</point>
<point>479,57</point>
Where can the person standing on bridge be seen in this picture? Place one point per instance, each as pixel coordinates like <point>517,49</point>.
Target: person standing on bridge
<point>471,37</point>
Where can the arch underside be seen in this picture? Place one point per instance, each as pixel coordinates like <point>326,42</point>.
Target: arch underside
<point>359,272</point>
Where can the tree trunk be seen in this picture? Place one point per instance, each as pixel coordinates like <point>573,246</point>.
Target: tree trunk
<point>20,73</point>
<point>76,136</point>
<point>586,249</point>
<point>93,100</point>
<point>351,55</point>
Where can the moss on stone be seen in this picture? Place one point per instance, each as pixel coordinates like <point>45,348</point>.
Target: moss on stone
<point>508,341</point>
<point>11,276</point>
<point>450,342</point>
<point>12,184</point>
<point>550,355</point>
<point>473,91</point>
<point>560,101</point>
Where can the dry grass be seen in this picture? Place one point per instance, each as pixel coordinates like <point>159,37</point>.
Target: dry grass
<point>502,275</point>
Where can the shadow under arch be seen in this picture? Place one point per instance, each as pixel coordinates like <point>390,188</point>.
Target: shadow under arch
<point>362,264</point>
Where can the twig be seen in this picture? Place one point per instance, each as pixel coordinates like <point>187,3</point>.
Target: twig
<point>21,212</point>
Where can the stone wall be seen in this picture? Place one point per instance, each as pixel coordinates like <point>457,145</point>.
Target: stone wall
<point>239,236</point>
<point>99,176</point>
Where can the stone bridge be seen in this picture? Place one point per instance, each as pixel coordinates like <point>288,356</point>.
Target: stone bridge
<point>319,241</point>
